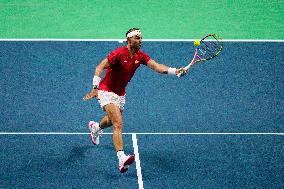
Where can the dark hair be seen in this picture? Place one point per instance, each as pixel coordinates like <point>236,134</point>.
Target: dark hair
<point>130,30</point>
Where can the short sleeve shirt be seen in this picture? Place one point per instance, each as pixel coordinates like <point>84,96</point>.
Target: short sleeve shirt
<point>121,70</point>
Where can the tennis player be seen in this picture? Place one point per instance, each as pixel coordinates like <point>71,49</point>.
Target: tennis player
<point>120,66</point>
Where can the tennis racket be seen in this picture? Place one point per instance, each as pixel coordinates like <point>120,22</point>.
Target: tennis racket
<point>210,46</point>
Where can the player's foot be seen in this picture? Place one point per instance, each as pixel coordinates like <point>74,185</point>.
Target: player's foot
<point>95,132</point>
<point>125,162</point>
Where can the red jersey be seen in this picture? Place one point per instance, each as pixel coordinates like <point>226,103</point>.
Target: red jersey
<point>122,68</point>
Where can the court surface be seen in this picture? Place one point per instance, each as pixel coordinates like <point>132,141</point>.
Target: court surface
<point>221,126</point>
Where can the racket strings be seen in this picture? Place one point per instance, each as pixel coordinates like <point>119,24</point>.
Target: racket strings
<point>216,42</point>
<point>217,45</point>
<point>210,48</point>
<point>205,51</point>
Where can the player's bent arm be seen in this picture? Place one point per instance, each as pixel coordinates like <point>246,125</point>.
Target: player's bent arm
<point>104,64</point>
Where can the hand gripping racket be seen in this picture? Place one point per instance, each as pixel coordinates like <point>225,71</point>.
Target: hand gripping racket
<point>210,46</point>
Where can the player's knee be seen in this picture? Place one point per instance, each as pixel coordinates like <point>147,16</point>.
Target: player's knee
<point>117,125</point>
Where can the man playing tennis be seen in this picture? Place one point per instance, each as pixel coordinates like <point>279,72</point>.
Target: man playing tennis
<point>120,66</point>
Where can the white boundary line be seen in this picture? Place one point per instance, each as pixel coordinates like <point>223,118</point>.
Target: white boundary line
<point>153,40</point>
<point>70,133</point>
<point>137,159</point>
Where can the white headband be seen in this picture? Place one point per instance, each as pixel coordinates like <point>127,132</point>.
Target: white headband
<point>134,33</point>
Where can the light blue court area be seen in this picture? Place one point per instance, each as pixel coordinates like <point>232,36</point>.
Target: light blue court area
<point>241,91</point>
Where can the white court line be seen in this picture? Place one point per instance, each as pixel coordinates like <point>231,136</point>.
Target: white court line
<point>209,133</point>
<point>70,133</point>
<point>137,159</point>
<point>151,40</point>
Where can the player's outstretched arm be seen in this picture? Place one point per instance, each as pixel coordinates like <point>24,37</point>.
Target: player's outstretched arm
<point>163,69</point>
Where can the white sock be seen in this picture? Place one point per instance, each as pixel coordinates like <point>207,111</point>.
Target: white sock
<point>120,154</point>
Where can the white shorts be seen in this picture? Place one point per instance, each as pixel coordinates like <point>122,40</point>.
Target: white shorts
<point>106,97</point>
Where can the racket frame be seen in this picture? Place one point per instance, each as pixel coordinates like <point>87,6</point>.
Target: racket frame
<point>198,58</point>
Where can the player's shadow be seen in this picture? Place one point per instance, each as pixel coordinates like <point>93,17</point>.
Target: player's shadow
<point>77,153</point>
<point>55,160</point>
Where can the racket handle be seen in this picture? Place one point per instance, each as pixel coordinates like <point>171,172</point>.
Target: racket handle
<point>185,68</point>
<point>181,73</point>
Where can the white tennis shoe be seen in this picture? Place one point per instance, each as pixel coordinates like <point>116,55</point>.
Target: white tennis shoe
<point>125,162</point>
<point>96,131</point>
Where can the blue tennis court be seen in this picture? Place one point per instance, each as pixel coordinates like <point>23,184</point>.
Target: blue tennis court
<point>44,135</point>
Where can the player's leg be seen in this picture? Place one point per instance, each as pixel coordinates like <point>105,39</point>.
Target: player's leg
<point>105,98</point>
<point>115,114</point>
<point>105,122</point>
<point>96,127</point>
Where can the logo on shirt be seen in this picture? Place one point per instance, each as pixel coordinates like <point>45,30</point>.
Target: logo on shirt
<point>136,61</point>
